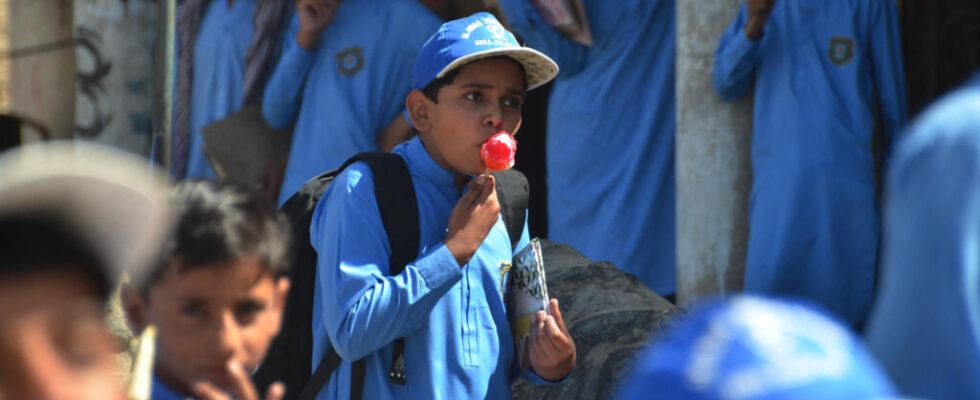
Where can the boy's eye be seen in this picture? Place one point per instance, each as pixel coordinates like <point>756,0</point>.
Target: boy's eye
<point>512,102</point>
<point>246,312</point>
<point>474,96</point>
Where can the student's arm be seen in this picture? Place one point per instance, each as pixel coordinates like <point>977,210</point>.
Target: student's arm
<point>283,95</point>
<point>886,59</point>
<point>528,23</point>
<point>736,58</point>
<point>365,307</point>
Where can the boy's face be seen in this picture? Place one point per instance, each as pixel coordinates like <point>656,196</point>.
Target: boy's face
<point>210,316</point>
<point>53,340</point>
<point>485,97</point>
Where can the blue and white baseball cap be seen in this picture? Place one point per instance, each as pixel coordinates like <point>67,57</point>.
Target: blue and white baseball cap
<point>755,348</point>
<point>462,41</point>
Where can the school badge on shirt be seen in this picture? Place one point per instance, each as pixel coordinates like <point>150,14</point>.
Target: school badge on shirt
<point>841,50</point>
<point>350,60</point>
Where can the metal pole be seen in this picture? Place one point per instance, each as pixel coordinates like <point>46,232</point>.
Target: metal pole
<point>714,175</point>
<point>166,64</point>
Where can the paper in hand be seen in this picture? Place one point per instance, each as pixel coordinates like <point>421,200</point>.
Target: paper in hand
<point>527,293</point>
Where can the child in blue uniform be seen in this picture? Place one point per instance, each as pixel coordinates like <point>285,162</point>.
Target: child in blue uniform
<point>342,78</point>
<point>819,69</point>
<point>217,295</point>
<point>468,83</point>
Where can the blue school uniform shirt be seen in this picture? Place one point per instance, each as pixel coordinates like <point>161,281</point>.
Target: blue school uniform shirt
<point>341,94</point>
<point>160,391</point>
<point>814,223</point>
<point>610,147</point>
<point>925,327</point>
<point>219,72</point>
<point>458,342</point>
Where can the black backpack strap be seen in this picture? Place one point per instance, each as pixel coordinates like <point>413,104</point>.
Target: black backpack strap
<point>512,194</point>
<point>320,377</point>
<point>395,194</point>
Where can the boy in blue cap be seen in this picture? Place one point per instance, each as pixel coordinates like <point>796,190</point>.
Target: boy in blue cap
<point>468,83</point>
<point>755,348</point>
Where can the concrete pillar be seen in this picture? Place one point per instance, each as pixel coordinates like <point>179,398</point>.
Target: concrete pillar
<point>714,175</point>
<point>42,63</point>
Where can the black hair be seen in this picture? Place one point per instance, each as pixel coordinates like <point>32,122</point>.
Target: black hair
<point>220,221</point>
<point>431,90</point>
<point>31,244</point>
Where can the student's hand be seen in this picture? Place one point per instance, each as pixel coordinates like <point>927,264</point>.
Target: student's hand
<point>472,218</point>
<point>758,11</point>
<point>552,349</point>
<point>242,387</point>
<point>314,17</point>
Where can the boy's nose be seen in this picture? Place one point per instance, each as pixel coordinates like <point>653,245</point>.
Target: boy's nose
<point>229,336</point>
<point>494,118</point>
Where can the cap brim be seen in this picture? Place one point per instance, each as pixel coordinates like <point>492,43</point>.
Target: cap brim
<point>110,199</point>
<point>539,69</point>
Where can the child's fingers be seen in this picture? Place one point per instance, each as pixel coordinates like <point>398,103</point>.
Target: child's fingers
<point>554,340</point>
<point>276,392</point>
<point>556,313</point>
<point>207,391</point>
<point>540,358</point>
<point>474,189</point>
<point>241,384</point>
<point>486,190</point>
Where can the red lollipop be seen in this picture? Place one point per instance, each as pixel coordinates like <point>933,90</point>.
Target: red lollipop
<point>498,151</point>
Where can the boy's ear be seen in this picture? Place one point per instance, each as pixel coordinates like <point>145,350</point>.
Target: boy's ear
<point>134,305</point>
<point>282,292</point>
<point>418,110</point>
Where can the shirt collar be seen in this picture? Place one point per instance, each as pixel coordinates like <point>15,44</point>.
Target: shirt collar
<point>421,163</point>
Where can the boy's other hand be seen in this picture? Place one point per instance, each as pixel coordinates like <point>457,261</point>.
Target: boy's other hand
<point>242,387</point>
<point>314,17</point>
<point>552,349</point>
<point>475,213</point>
<point>758,11</point>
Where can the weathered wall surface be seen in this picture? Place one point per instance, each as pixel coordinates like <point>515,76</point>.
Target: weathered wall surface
<point>114,47</point>
<point>41,79</point>
<point>713,164</point>
<point>610,314</point>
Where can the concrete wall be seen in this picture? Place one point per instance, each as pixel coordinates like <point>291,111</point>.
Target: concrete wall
<point>115,65</point>
<point>713,165</point>
<point>40,83</point>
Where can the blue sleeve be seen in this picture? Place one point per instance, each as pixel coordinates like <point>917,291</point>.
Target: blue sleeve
<point>735,59</point>
<point>284,92</point>
<point>528,23</point>
<point>886,59</point>
<point>365,308</point>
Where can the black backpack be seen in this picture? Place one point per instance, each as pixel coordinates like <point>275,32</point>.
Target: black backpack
<point>289,357</point>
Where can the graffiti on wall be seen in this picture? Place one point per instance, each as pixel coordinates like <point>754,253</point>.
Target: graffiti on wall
<point>114,78</point>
